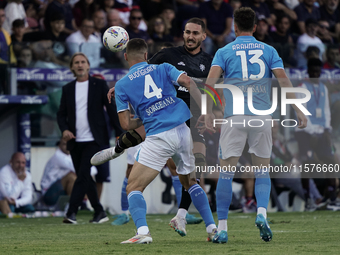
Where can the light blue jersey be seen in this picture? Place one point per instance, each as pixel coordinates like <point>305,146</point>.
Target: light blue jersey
<point>150,91</point>
<point>247,62</point>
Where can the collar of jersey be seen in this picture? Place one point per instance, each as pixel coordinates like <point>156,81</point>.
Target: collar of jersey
<point>135,66</point>
<point>245,38</point>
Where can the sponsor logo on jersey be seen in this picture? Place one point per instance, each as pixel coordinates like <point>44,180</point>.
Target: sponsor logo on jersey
<point>181,63</point>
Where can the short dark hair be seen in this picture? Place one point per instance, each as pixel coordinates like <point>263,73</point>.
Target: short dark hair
<point>245,18</point>
<point>18,23</point>
<point>198,22</point>
<point>136,45</point>
<point>57,16</point>
<point>312,49</point>
<point>314,62</point>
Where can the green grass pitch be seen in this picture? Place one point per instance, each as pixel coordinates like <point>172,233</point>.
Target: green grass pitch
<point>293,233</point>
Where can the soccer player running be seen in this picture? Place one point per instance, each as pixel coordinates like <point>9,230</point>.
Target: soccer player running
<point>246,62</point>
<point>195,62</point>
<point>150,91</point>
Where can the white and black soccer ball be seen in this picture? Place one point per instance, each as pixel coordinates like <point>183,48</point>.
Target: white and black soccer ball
<point>115,38</point>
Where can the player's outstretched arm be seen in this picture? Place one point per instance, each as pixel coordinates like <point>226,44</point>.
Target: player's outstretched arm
<point>213,76</point>
<point>185,81</point>
<point>284,82</point>
<point>127,123</point>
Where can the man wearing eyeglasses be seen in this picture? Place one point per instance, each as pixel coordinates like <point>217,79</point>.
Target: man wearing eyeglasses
<point>133,30</point>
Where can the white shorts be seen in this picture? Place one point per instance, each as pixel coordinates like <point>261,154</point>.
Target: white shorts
<point>132,153</point>
<point>234,136</point>
<point>176,143</point>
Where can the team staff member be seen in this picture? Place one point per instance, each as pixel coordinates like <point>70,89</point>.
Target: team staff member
<point>82,122</point>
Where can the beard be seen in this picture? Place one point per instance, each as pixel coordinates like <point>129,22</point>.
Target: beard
<point>192,48</point>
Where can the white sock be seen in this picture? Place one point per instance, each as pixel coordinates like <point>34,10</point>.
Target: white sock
<point>210,228</point>
<point>222,225</point>
<point>143,230</point>
<point>181,213</point>
<point>263,211</point>
<point>126,212</point>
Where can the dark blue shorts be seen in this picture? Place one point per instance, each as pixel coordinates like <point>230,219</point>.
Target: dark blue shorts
<point>103,174</point>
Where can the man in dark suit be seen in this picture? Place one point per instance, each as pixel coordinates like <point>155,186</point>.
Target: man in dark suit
<point>82,122</point>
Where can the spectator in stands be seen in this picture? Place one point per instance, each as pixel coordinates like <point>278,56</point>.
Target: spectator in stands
<point>261,33</point>
<point>324,33</point>
<point>235,4</point>
<point>15,186</point>
<point>278,9</point>
<point>113,19</point>
<point>169,16</point>
<point>60,6</point>
<point>261,9</point>
<point>5,48</point>
<point>283,41</point>
<point>218,17</point>
<point>187,9</point>
<point>83,9</point>
<point>125,7</point>
<point>99,19</point>
<point>59,175</point>
<point>133,30</point>
<point>31,16</point>
<point>315,145</point>
<point>333,57</point>
<point>306,10</point>
<point>158,31</point>
<point>14,10</point>
<point>84,41</point>
<point>308,39</point>
<point>107,5</point>
<point>18,28</point>
<point>25,58</point>
<point>329,12</point>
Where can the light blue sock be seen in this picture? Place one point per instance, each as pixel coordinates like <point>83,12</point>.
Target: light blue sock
<point>178,188</point>
<point>200,201</point>
<point>137,208</point>
<point>262,188</point>
<point>224,194</point>
<point>124,200</point>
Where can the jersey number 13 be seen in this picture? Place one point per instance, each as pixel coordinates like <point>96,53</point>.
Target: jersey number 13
<point>255,59</point>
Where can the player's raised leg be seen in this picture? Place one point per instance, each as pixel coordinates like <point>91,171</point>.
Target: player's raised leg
<point>126,140</point>
<point>136,184</point>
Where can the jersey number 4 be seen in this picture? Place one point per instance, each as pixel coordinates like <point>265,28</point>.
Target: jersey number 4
<point>253,60</point>
<point>150,88</point>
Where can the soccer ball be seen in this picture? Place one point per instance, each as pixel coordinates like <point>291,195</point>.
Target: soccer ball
<point>115,38</point>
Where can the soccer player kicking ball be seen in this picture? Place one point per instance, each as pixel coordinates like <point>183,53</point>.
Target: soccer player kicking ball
<point>246,63</point>
<point>150,91</point>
